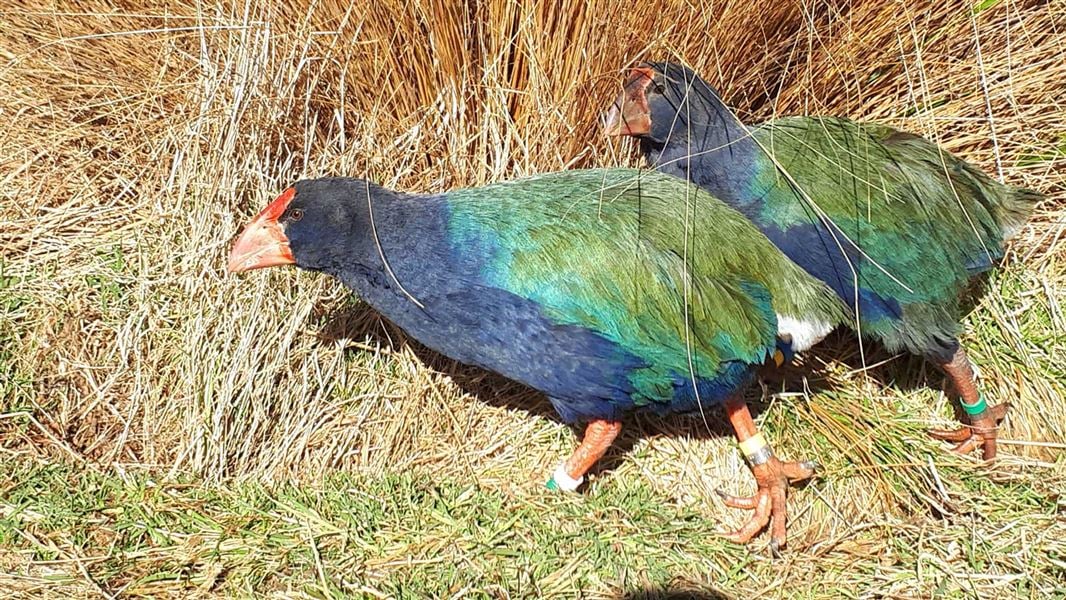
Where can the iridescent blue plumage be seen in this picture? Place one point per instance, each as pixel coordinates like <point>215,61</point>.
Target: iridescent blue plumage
<point>893,224</point>
<point>582,284</point>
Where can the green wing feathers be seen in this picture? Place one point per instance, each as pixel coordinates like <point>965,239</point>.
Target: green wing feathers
<point>923,221</point>
<point>1008,207</point>
<point>648,260</point>
<point>874,183</point>
<point>869,173</point>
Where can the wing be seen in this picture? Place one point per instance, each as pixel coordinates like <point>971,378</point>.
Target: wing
<point>908,217</point>
<point>887,186</point>
<point>608,251</point>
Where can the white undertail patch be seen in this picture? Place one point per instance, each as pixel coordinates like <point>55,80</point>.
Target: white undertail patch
<point>804,333</point>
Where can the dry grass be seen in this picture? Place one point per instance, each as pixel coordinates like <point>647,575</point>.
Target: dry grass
<point>139,136</point>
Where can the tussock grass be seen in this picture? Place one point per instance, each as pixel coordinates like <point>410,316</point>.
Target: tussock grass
<point>140,136</point>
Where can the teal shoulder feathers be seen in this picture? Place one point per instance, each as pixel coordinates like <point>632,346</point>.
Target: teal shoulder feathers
<point>658,266</point>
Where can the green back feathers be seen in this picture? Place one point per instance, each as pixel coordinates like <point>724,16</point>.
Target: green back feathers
<point>631,254</point>
<point>895,191</point>
<point>896,196</point>
<point>1007,207</point>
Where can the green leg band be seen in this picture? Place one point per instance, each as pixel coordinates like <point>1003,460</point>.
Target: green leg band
<point>976,408</point>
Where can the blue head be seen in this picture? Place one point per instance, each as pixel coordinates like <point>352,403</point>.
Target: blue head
<point>685,129</point>
<point>318,224</point>
<point>667,103</point>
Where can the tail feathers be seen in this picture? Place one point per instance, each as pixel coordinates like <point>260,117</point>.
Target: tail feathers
<point>1010,206</point>
<point>1014,209</point>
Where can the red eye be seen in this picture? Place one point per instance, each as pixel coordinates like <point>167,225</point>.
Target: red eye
<point>296,214</point>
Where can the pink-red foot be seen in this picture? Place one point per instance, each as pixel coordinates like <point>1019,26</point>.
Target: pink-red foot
<point>980,432</point>
<point>770,501</point>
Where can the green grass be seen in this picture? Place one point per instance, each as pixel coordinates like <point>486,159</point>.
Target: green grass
<point>395,534</point>
<point>170,430</point>
<point>403,535</point>
<point>16,386</point>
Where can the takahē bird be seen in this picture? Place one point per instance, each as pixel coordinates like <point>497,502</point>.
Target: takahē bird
<point>897,226</point>
<point>610,291</point>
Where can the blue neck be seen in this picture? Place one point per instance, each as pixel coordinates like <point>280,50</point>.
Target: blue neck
<point>713,150</point>
<point>402,258</point>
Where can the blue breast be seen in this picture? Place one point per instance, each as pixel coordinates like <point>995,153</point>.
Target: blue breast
<point>585,375</point>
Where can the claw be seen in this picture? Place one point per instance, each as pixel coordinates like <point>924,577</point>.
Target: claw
<point>769,502</point>
<point>775,548</point>
<point>981,432</point>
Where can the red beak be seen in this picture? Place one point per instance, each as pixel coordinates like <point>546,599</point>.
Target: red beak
<point>263,242</point>
<point>629,115</point>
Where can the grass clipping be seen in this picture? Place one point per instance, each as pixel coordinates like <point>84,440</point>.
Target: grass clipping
<point>139,137</point>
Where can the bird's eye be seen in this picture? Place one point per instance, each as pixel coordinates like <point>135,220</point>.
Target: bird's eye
<point>658,88</point>
<point>296,214</point>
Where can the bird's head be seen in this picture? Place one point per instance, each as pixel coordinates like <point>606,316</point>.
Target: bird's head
<point>659,102</point>
<point>311,225</point>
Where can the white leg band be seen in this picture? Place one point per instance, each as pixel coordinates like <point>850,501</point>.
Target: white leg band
<point>564,481</point>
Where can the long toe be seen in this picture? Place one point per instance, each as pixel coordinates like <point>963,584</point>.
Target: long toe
<point>799,470</point>
<point>779,517</point>
<point>986,429</point>
<point>980,433</point>
<point>988,448</point>
<point>999,411</point>
<point>951,435</point>
<point>967,445</point>
<point>741,502</point>
<point>770,502</point>
<point>758,521</point>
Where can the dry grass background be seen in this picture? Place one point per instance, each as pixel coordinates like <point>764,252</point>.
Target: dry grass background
<point>139,136</point>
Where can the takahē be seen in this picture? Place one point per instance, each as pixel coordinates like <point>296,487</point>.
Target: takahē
<point>610,291</point>
<point>897,226</point>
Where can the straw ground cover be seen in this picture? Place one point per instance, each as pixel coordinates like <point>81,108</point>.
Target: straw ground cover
<point>168,429</point>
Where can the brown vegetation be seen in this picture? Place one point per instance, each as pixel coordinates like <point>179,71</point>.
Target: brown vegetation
<point>139,136</point>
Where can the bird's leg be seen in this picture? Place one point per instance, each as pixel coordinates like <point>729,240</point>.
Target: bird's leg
<point>771,474</point>
<point>599,435</point>
<point>984,419</point>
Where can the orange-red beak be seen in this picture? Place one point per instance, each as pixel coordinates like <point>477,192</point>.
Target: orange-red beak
<point>263,242</point>
<point>629,115</point>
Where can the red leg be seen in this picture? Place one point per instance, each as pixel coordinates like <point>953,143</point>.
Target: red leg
<point>599,435</point>
<point>984,420</point>
<point>771,475</point>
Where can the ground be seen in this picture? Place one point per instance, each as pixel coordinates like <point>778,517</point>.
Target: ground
<point>168,429</point>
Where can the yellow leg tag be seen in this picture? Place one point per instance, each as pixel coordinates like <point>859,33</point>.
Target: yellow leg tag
<point>753,444</point>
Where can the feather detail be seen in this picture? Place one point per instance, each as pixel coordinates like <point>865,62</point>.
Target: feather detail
<point>896,226</point>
